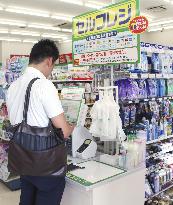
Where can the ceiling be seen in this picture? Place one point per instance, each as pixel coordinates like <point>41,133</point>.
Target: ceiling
<point>31,20</point>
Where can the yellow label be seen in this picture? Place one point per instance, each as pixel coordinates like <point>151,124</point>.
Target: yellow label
<point>113,17</point>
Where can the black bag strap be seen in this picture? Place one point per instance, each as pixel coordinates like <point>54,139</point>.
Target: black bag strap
<point>27,98</point>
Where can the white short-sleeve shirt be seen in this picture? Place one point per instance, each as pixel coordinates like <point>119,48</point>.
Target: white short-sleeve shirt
<point>44,101</point>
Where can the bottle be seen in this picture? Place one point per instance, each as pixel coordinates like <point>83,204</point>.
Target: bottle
<point>156,183</point>
<point>165,124</point>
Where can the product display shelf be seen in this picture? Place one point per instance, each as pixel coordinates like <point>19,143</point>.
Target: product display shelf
<point>160,192</point>
<point>4,138</point>
<point>145,99</point>
<point>159,139</point>
<point>13,182</point>
<point>70,81</point>
<point>158,154</point>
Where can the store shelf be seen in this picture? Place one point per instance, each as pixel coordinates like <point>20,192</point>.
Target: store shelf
<point>163,190</point>
<point>90,92</point>
<point>159,140</point>
<point>145,99</point>
<point>158,154</point>
<point>69,81</point>
<point>5,139</point>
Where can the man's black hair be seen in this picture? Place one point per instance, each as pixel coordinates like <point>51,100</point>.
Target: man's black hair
<point>43,49</point>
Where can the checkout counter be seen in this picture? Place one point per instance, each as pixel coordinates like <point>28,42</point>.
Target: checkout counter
<point>97,183</point>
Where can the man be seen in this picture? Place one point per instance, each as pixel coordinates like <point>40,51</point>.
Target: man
<point>44,105</point>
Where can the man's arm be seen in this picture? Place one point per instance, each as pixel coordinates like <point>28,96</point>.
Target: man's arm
<point>60,122</point>
<point>53,108</point>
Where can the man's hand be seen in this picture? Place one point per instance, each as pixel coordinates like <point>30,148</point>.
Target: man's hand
<point>60,122</point>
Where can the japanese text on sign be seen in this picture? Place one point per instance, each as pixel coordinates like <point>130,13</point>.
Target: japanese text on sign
<point>138,25</point>
<point>103,57</point>
<point>110,18</point>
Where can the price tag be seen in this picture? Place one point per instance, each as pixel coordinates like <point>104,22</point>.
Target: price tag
<point>171,75</point>
<point>134,75</point>
<point>130,101</point>
<point>159,76</point>
<point>153,99</point>
<point>165,98</point>
<point>146,100</point>
<point>165,76</point>
<point>136,101</point>
<point>144,75</point>
<point>152,76</point>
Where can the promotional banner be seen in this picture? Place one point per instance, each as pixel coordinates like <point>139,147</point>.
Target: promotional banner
<point>103,36</point>
<point>65,58</point>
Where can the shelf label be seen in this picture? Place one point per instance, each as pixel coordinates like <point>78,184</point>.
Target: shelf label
<point>152,76</point>
<point>134,75</point>
<point>159,76</point>
<point>144,75</point>
<point>165,75</point>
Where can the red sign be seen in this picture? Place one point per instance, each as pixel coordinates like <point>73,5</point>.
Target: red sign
<point>20,56</point>
<point>65,58</point>
<point>138,25</point>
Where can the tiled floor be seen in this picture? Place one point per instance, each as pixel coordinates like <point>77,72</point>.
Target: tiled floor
<point>8,197</point>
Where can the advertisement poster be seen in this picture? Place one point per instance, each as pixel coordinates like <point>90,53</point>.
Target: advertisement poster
<point>18,63</point>
<point>65,58</point>
<point>103,36</point>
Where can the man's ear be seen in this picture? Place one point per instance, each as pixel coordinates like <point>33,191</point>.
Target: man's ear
<point>49,61</point>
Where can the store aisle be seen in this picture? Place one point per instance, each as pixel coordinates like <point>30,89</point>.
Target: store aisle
<point>8,197</point>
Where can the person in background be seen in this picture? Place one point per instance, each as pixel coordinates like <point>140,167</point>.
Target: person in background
<point>44,105</point>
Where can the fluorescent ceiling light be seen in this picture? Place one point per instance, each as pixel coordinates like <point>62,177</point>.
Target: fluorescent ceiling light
<point>90,5</point>
<point>30,41</point>
<point>166,1</point>
<point>12,22</point>
<point>1,8</point>
<point>44,26</point>
<point>56,36</point>
<point>59,17</point>
<point>66,41</point>
<point>154,29</point>
<point>148,16</point>
<point>10,39</point>
<point>25,33</point>
<point>97,3</point>
<point>161,28</point>
<point>161,22</point>
<point>3,31</point>
<point>66,30</point>
<point>168,27</point>
<point>77,2</point>
<point>27,11</point>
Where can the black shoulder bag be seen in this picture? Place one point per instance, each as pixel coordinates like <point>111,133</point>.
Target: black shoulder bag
<point>35,151</point>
